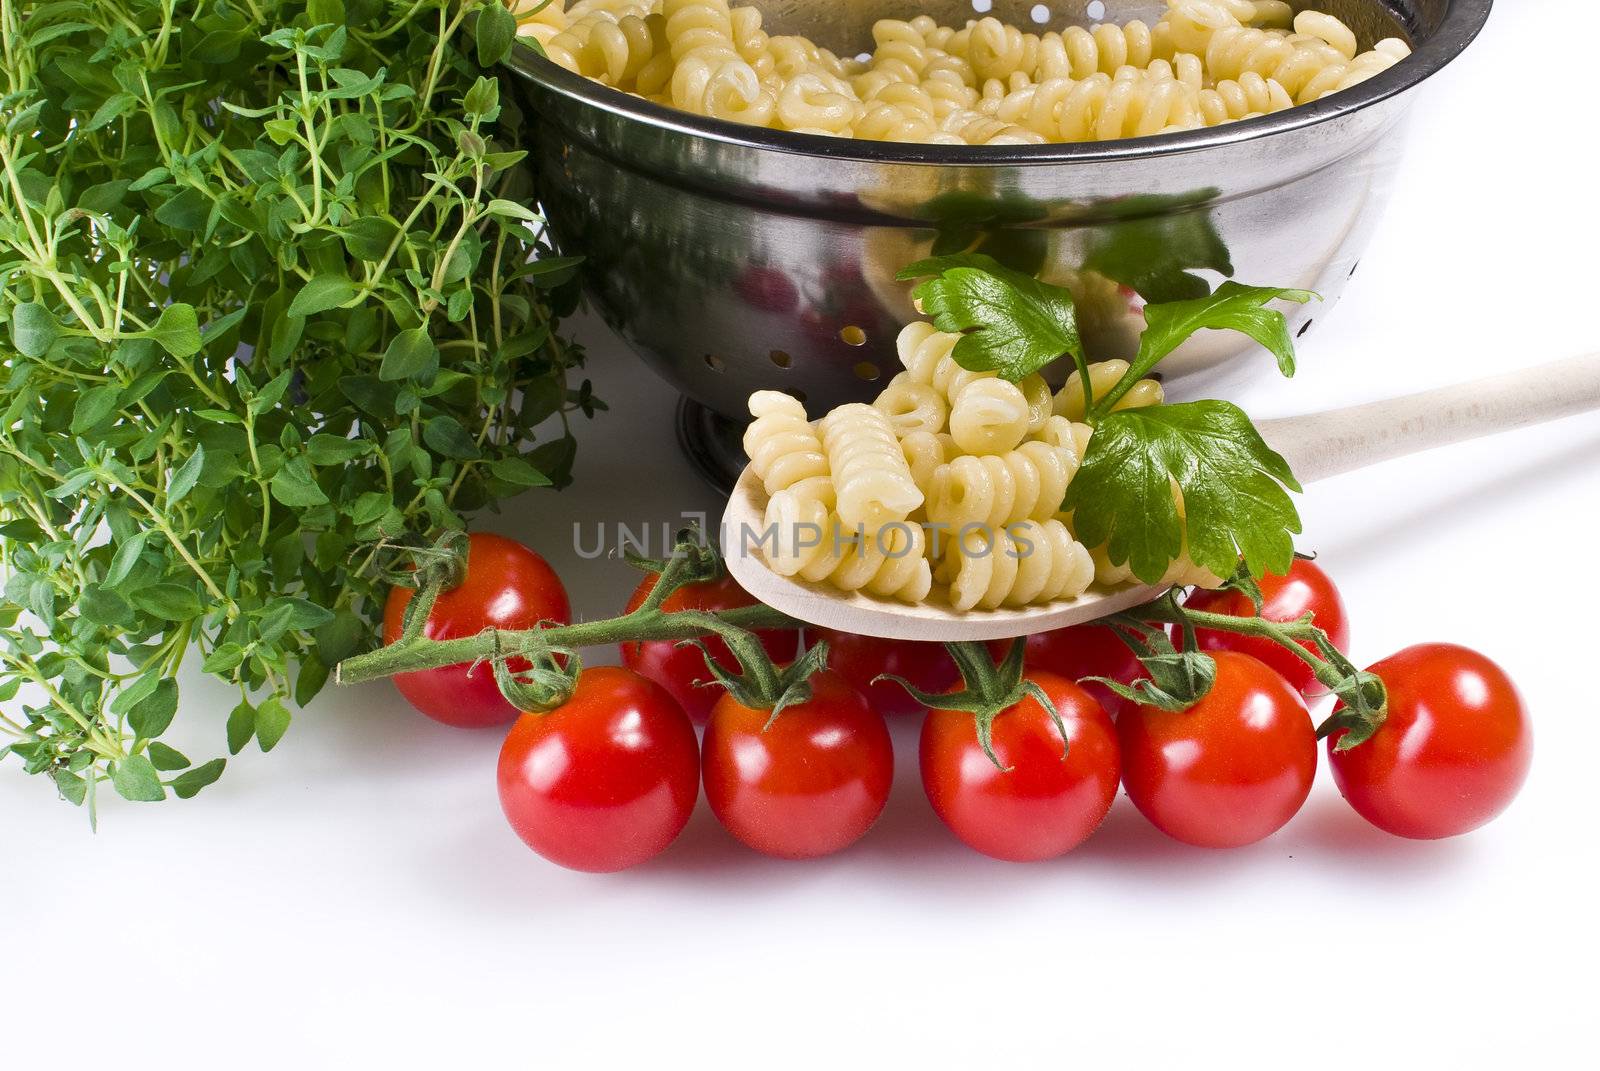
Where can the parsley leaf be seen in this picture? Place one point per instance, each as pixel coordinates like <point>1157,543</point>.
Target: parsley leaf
<point>1234,306</point>
<point>1233,488</point>
<point>1012,323</point>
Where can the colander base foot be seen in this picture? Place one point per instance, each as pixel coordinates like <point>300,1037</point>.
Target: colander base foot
<point>712,443</point>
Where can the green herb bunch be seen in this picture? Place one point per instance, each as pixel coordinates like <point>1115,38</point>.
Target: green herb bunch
<point>271,300</point>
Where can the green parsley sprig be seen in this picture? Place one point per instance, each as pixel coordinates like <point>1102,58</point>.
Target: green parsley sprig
<point>1157,482</point>
<point>271,299</point>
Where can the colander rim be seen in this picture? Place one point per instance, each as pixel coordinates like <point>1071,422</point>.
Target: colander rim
<point>1463,21</point>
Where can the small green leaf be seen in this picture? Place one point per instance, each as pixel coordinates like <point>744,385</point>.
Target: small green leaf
<point>1010,323</point>
<point>33,329</point>
<point>300,613</point>
<point>95,406</point>
<point>339,638</point>
<point>1234,488</point>
<point>223,659</point>
<point>445,435</point>
<point>135,779</point>
<point>272,393</point>
<point>295,487</point>
<point>126,557</point>
<point>313,676</point>
<point>412,353</point>
<point>188,785</point>
<point>154,714</point>
<point>187,476</point>
<point>166,759</point>
<point>241,726</point>
<point>73,788</point>
<point>133,694</point>
<point>321,293</point>
<point>370,237</point>
<point>177,330</point>
<point>186,210</point>
<point>272,721</point>
<point>334,450</point>
<point>516,470</point>
<point>496,30</point>
<point>1233,307</point>
<point>511,210</point>
<point>169,602</point>
<point>102,606</point>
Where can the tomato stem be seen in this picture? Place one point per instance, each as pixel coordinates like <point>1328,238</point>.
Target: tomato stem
<point>989,690</point>
<point>639,626</point>
<point>1362,695</point>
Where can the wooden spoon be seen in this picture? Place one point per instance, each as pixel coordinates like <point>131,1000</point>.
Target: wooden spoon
<point>1316,446</point>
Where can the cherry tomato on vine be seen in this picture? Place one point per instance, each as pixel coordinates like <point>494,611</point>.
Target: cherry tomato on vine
<point>1043,804</point>
<point>605,781</point>
<point>1452,753</point>
<point>1306,588</point>
<point>862,659</point>
<point>1082,651</point>
<point>1230,770</point>
<point>681,669</point>
<point>507,586</point>
<point>810,784</point>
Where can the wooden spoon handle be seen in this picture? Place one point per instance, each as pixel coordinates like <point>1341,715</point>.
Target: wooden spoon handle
<point>1321,445</point>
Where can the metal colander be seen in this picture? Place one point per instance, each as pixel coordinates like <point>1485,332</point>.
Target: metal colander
<point>734,259</point>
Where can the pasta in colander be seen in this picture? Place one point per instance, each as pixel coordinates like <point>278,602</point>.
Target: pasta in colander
<point>1203,63</point>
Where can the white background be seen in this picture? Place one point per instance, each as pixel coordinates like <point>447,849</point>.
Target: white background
<point>357,894</point>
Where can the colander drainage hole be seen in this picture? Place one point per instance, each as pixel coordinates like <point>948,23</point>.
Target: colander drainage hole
<point>1303,329</point>
<point>1353,268</point>
<point>868,371</point>
<point>983,7</point>
<point>780,358</point>
<point>1040,14</point>
<point>852,336</point>
<point>1096,10</point>
<point>715,363</point>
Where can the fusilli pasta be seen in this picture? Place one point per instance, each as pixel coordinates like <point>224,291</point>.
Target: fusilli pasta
<point>1028,563</point>
<point>870,474</point>
<point>948,486</point>
<point>1203,63</point>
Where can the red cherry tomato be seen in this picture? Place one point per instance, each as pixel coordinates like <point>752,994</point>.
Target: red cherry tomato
<point>811,784</point>
<point>1452,753</point>
<point>862,659</point>
<point>1042,805</point>
<point>605,781</point>
<point>1082,651</point>
<point>1305,589</point>
<point>1228,771</point>
<point>507,586</point>
<point>680,670</point>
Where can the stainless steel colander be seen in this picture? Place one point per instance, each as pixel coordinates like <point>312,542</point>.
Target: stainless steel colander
<point>734,259</point>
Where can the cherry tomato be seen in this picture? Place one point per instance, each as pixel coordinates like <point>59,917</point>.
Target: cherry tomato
<point>811,784</point>
<point>861,659</point>
<point>507,586</point>
<point>680,670</point>
<point>1304,589</point>
<point>1042,805</point>
<point>605,781</point>
<point>1452,753</point>
<point>1082,651</point>
<point>1230,770</point>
